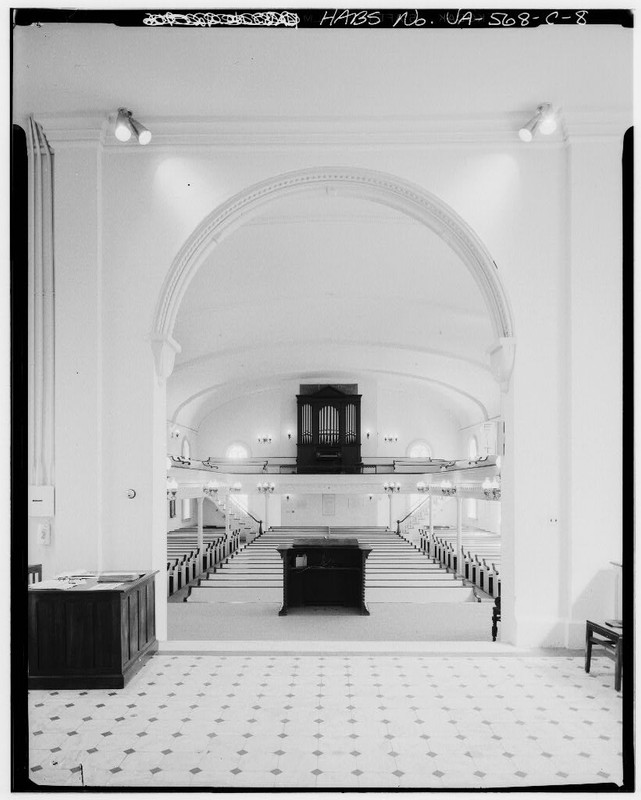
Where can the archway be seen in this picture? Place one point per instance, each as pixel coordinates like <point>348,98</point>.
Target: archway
<point>362,184</point>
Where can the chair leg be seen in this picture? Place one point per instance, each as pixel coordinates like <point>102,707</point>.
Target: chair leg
<point>588,651</point>
<point>617,666</point>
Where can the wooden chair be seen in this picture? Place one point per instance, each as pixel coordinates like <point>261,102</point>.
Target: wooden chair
<point>609,638</point>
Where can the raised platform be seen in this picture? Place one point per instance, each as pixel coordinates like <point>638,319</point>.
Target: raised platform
<point>236,621</point>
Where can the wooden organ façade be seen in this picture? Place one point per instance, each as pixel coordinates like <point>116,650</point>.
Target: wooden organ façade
<point>329,424</point>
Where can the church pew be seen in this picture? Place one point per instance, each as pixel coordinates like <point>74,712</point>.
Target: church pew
<point>480,552</point>
<point>186,561</point>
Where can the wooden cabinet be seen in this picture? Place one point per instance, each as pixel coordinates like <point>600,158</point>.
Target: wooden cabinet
<point>329,571</point>
<point>88,637</point>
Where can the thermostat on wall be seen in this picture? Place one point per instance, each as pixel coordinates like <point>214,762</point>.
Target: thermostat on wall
<point>41,501</point>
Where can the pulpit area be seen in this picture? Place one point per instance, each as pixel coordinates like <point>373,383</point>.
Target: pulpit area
<point>324,571</point>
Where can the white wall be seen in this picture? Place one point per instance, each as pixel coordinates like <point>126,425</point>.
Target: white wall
<point>332,509</point>
<point>405,409</point>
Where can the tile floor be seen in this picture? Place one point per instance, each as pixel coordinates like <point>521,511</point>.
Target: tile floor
<point>360,720</point>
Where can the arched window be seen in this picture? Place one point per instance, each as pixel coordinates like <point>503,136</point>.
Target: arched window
<point>237,450</point>
<point>419,449</point>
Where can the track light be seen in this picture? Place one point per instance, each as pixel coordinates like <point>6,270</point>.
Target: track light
<point>126,125</point>
<point>544,120</point>
<point>123,128</point>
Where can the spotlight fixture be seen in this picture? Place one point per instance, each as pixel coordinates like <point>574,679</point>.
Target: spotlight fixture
<point>172,488</point>
<point>544,120</point>
<point>266,488</point>
<point>421,486</point>
<point>126,125</point>
<point>264,439</point>
<point>390,438</point>
<point>391,487</point>
<point>210,489</point>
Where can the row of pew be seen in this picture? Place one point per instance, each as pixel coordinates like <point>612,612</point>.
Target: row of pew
<point>481,554</point>
<point>186,561</point>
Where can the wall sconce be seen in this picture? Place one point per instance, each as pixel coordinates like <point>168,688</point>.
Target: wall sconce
<point>367,434</point>
<point>287,497</point>
<point>211,489</point>
<point>390,438</point>
<point>266,488</point>
<point>491,489</point>
<point>172,488</point>
<point>289,434</point>
<point>264,439</point>
<point>126,125</point>
<point>421,486</point>
<point>235,487</point>
<point>391,487</point>
<point>544,120</point>
<point>174,433</point>
<point>447,489</point>
<point>370,496</point>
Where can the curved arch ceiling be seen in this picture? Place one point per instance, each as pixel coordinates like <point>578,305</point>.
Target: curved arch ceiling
<point>325,285</point>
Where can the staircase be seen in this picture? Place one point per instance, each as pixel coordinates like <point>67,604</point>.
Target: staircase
<point>396,571</point>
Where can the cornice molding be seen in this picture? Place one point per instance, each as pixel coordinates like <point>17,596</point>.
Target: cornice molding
<point>328,132</point>
<point>588,125</point>
<point>78,129</point>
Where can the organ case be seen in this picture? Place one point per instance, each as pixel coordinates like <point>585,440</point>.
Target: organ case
<point>329,424</point>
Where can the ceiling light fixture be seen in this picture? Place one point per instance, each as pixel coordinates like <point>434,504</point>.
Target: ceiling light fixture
<point>126,125</point>
<point>544,120</point>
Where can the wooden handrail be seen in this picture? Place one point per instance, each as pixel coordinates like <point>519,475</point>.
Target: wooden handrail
<point>416,508</point>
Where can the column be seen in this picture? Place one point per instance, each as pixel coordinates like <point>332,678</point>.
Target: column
<point>459,536</point>
<point>201,500</point>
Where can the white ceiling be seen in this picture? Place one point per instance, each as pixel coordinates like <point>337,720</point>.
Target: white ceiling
<point>215,72</point>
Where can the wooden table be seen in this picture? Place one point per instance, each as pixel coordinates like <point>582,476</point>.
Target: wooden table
<point>602,635</point>
<point>89,637</point>
<point>334,573</point>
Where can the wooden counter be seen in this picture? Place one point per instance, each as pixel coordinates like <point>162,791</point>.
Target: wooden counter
<point>89,637</point>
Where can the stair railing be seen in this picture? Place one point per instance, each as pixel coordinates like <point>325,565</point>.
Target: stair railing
<point>245,518</point>
<point>415,515</point>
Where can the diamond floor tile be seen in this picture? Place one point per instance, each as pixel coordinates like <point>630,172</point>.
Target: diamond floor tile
<point>335,721</point>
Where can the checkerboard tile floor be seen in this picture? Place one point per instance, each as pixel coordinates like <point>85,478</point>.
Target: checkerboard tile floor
<point>335,721</point>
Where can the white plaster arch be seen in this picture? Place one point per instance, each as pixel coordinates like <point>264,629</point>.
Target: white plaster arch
<point>354,182</point>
